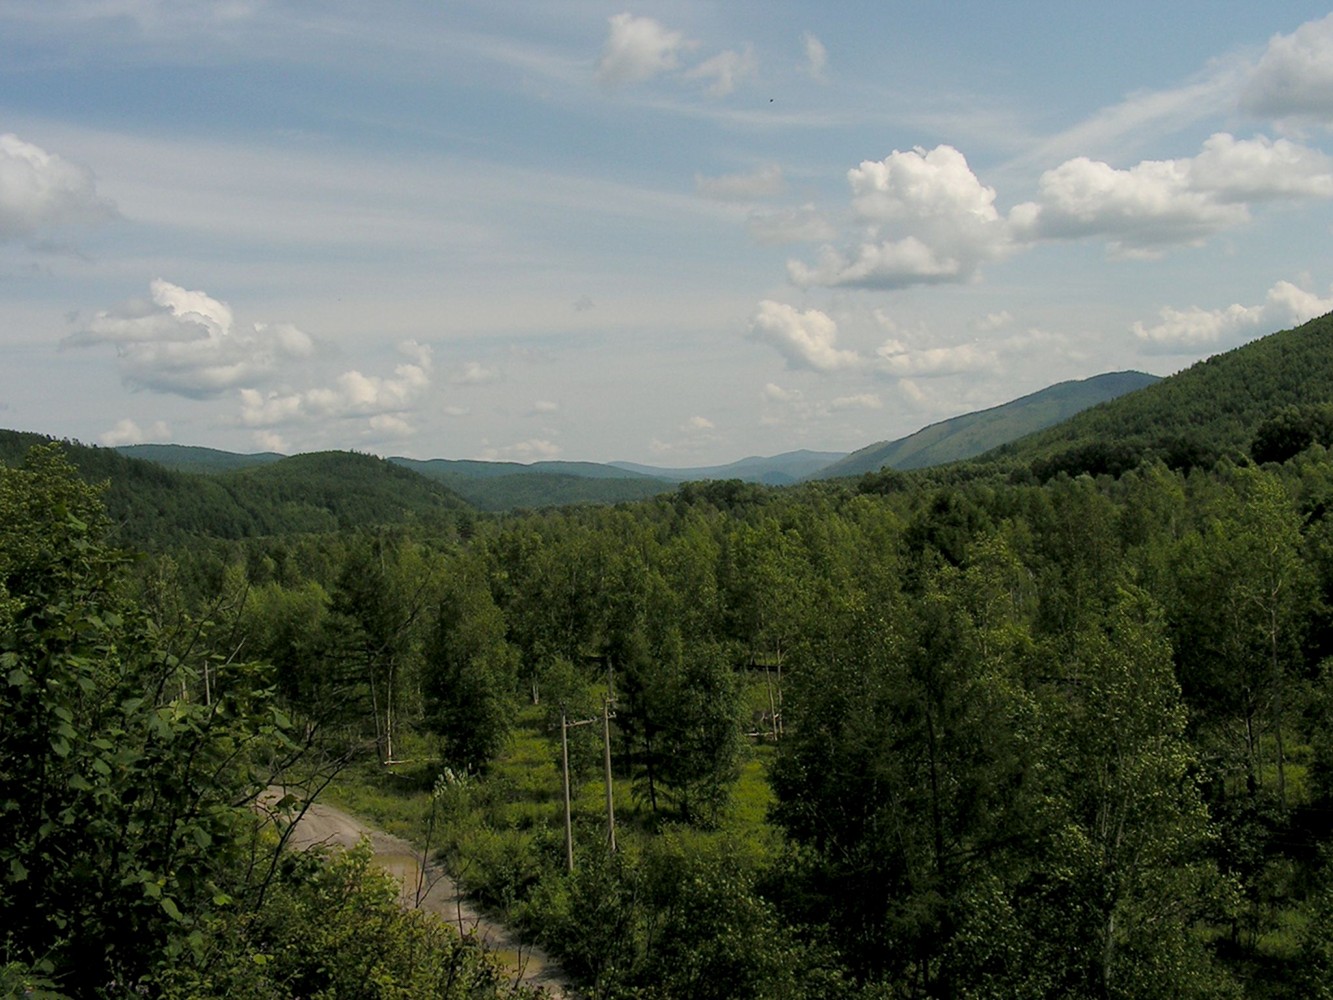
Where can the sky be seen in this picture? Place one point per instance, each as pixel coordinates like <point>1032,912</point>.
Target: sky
<point>676,233</point>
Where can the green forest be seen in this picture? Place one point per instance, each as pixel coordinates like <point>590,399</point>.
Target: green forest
<point>1056,722</point>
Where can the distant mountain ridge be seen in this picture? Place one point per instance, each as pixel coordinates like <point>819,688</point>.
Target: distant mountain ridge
<point>777,470</point>
<point>441,468</point>
<point>973,434</point>
<point>194,458</point>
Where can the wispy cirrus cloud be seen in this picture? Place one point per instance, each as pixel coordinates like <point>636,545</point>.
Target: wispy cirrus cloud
<point>723,71</point>
<point>755,185</point>
<point>816,58</point>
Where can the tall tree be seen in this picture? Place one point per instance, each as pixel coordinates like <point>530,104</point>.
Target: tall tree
<point>470,669</point>
<point>119,783</point>
<point>1128,877</point>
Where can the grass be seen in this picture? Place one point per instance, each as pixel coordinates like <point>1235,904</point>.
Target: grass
<point>505,826</point>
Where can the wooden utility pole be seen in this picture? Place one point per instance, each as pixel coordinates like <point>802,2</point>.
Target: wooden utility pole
<point>564,764</point>
<point>565,726</point>
<point>606,755</point>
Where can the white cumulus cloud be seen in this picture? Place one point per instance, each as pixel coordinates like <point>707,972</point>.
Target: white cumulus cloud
<point>637,49</point>
<point>993,321</point>
<point>1147,206</point>
<point>931,221</point>
<point>774,393</point>
<point>806,339</point>
<point>384,402</point>
<point>187,343</point>
<point>128,431</point>
<point>1192,329</point>
<point>40,191</point>
<point>1157,203</point>
<point>860,401</point>
<point>1294,77</point>
<point>1260,169</point>
<point>531,450</point>
<point>475,373</point>
<point>898,359</point>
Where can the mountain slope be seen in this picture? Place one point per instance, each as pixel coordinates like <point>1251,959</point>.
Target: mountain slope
<point>973,434</point>
<point>1215,405</point>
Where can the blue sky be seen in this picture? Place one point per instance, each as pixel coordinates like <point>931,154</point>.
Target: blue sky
<point>676,233</point>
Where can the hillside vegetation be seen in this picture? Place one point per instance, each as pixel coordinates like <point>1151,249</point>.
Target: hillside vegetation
<point>972,434</point>
<point>1211,408</point>
<point>500,486</point>
<point>153,506</point>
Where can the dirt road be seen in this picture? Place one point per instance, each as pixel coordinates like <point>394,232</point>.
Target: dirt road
<point>430,889</point>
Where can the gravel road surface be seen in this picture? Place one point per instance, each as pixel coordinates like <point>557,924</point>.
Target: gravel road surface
<point>428,889</point>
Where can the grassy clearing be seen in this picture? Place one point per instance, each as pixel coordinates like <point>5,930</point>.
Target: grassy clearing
<point>497,833</point>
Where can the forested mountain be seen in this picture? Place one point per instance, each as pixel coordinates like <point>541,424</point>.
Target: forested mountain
<point>153,506</point>
<point>499,486</point>
<point>1212,408</point>
<point>972,434</point>
<point>544,489</point>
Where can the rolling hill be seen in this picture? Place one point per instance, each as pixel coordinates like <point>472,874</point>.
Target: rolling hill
<point>155,506</point>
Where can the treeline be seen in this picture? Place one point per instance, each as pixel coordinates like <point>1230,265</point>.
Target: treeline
<point>1063,739</point>
<point>156,508</point>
